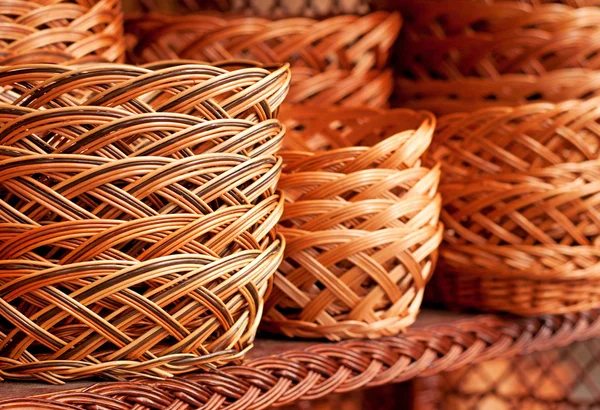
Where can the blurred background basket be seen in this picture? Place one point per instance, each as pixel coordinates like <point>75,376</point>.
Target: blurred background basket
<point>61,31</point>
<point>341,60</point>
<point>360,222</point>
<point>452,40</point>
<point>520,188</point>
<point>137,208</point>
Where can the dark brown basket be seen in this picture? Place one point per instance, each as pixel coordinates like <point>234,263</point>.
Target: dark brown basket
<point>137,208</point>
<point>360,221</point>
<point>520,189</point>
<point>61,31</point>
<point>452,40</point>
<point>469,94</point>
<point>341,60</point>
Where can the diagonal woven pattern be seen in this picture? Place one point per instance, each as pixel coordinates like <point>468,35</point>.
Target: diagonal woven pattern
<point>343,57</point>
<point>361,223</point>
<point>346,366</point>
<point>61,31</point>
<point>520,208</point>
<point>136,238</point>
<point>451,40</point>
<point>470,94</point>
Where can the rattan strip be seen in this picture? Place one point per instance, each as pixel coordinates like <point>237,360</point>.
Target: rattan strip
<point>61,31</point>
<point>341,367</point>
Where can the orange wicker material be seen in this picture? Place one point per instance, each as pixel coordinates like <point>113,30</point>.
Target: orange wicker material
<point>520,189</point>
<point>266,8</point>
<point>452,40</point>
<point>135,238</point>
<point>470,94</point>
<point>61,31</point>
<point>339,60</point>
<point>360,222</point>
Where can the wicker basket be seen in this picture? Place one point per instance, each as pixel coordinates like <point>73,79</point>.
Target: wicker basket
<point>522,219</point>
<point>61,31</point>
<point>266,8</point>
<point>360,222</point>
<point>341,60</point>
<point>136,238</point>
<point>452,40</point>
<point>470,94</point>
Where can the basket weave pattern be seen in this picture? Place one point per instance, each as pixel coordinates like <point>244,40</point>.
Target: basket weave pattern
<point>61,31</point>
<point>136,238</point>
<point>520,209</point>
<point>361,223</point>
<point>451,40</point>
<point>340,60</point>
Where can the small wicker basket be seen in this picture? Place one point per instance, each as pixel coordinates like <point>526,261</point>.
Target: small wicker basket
<point>452,40</point>
<point>521,209</point>
<point>137,208</point>
<point>61,31</point>
<point>340,60</point>
<point>360,222</point>
<point>469,94</point>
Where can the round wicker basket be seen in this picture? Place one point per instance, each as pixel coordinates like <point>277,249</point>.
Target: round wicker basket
<point>360,222</point>
<point>61,31</point>
<point>452,40</point>
<point>137,207</point>
<point>469,94</point>
<point>340,60</point>
<point>521,211</point>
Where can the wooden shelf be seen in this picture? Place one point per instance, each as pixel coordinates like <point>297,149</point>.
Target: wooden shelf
<point>279,372</point>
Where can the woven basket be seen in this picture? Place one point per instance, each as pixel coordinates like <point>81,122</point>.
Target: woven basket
<point>452,40</point>
<point>470,94</point>
<point>61,31</point>
<point>135,238</point>
<point>266,8</point>
<point>360,222</point>
<point>520,189</point>
<point>340,60</point>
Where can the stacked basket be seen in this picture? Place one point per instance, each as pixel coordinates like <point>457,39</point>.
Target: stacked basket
<point>137,207</point>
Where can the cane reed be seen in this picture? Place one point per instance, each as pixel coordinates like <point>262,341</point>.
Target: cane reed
<point>137,207</point>
<point>360,222</point>
<point>341,60</point>
<point>520,189</point>
<point>61,31</point>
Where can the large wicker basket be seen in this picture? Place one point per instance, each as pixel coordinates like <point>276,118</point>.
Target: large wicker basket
<point>469,94</point>
<point>451,40</point>
<point>360,222</point>
<point>61,31</point>
<point>340,60</point>
<point>137,208</point>
<point>521,210</point>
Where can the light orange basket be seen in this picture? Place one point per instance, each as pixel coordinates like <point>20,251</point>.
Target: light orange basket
<point>137,207</point>
<point>360,222</point>
<point>341,60</point>
<point>521,192</point>
<point>452,40</point>
<point>61,31</point>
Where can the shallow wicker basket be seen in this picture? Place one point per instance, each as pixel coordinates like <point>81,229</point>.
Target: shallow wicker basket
<point>451,40</point>
<point>469,94</point>
<point>360,222</point>
<point>61,31</point>
<point>137,208</point>
<point>520,189</point>
<point>339,60</point>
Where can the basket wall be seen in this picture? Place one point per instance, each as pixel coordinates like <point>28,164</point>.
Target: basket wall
<point>137,207</point>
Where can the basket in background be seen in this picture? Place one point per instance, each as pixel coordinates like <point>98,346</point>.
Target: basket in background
<point>61,32</point>
<point>521,189</point>
<point>341,60</point>
<point>360,222</point>
<point>137,207</point>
